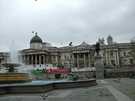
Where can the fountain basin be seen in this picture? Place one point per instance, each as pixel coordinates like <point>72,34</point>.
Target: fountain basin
<point>44,86</point>
<point>6,78</point>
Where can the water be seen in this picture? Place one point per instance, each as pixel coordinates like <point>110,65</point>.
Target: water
<point>35,82</point>
<point>13,53</point>
<point>15,57</point>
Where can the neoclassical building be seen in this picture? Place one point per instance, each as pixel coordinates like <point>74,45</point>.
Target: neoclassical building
<point>40,53</point>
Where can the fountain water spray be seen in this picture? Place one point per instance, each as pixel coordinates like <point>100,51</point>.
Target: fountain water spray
<point>13,75</point>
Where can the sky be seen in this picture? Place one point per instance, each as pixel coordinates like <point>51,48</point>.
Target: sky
<point>62,21</point>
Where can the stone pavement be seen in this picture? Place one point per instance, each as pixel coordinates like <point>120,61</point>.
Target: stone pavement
<point>116,93</point>
<point>106,90</point>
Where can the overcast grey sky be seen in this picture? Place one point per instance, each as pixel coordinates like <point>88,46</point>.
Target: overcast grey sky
<point>62,21</point>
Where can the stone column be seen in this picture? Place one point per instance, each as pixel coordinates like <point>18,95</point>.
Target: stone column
<point>117,57</point>
<point>106,57</point>
<point>116,62</point>
<point>44,62</point>
<point>23,59</point>
<point>84,59</point>
<point>29,59</point>
<point>53,59</point>
<point>42,59</point>
<point>35,59</point>
<point>99,67</point>
<point>39,59</point>
<point>89,59</point>
<point>26,59</point>
<point>73,60</point>
<point>56,59</point>
<point>77,60</point>
<point>46,59</point>
<point>109,56</point>
<point>32,59</point>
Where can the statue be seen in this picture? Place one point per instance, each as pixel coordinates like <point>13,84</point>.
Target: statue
<point>97,48</point>
<point>70,44</point>
<point>34,32</point>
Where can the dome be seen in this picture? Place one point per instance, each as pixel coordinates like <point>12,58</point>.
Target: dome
<point>36,39</point>
<point>109,40</point>
<point>109,37</point>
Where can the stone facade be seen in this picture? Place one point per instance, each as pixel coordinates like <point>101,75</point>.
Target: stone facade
<point>4,57</point>
<point>114,54</point>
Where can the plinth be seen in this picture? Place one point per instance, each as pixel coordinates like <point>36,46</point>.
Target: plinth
<point>99,65</point>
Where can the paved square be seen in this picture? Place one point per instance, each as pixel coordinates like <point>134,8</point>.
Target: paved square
<point>106,90</point>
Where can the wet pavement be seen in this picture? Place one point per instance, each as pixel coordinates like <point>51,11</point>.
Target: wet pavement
<point>106,90</point>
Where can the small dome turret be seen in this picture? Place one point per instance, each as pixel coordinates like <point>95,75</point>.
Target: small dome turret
<point>36,39</point>
<point>109,40</point>
<point>36,42</point>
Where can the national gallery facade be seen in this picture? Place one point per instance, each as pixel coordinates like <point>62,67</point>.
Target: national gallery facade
<point>83,55</point>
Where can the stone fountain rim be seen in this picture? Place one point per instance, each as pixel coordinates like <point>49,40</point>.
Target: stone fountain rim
<point>11,63</point>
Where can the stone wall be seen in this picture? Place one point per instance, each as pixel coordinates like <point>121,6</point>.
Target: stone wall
<point>85,74</point>
<point>119,74</point>
<point>42,88</point>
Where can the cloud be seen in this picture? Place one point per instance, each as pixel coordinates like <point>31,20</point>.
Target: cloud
<point>60,21</point>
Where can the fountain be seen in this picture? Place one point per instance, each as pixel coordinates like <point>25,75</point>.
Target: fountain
<point>12,75</point>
